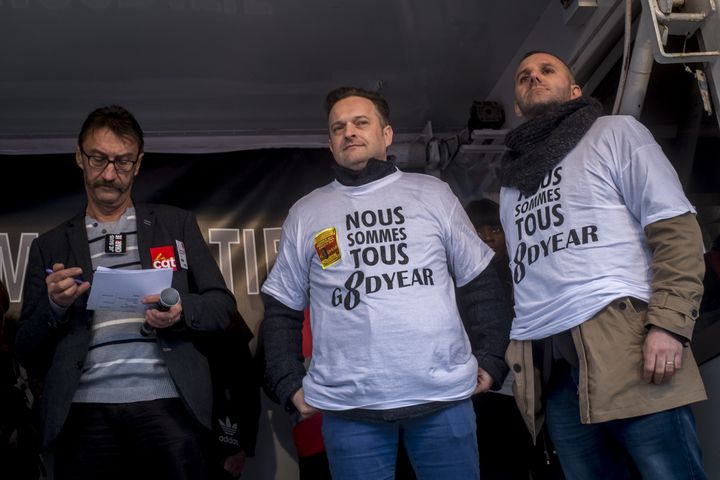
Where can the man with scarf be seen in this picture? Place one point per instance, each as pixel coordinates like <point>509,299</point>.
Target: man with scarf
<point>606,256</point>
<point>377,255</point>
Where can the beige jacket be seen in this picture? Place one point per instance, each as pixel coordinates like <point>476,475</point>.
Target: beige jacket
<point>609,345</point>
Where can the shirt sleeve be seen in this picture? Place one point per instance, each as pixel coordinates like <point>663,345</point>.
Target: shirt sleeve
<point>288,280</point>
<point>646,178</point>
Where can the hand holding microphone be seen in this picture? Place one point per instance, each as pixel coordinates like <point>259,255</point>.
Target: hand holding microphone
<point>163,313</point>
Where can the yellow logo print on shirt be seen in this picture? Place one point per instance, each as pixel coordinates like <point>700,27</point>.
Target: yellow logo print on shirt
<point>327,247</point>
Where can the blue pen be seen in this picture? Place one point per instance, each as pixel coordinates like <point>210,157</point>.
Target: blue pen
<point>77,280</point>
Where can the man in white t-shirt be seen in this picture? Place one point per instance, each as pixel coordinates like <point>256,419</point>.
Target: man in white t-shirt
<point>606,257</point>
<point>377,254</point>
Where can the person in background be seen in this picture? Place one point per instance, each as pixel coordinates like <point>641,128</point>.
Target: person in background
<point>485,216</point>
<point>508,452</point>
<point>19,437</point>
<point>376,255</point>
<point>117,404</point>
<point>607,265</point>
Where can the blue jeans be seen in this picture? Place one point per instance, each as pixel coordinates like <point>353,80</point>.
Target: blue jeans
<point>658,446</point>
<point>441,445</point>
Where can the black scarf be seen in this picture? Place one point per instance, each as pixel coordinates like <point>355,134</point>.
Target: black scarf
<point>540,143</point>
<point>374,170</point>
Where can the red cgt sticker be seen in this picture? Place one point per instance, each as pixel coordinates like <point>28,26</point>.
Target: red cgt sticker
<point>163,257</point>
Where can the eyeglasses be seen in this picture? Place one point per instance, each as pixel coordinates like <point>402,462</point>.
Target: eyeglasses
<point>100,162</point>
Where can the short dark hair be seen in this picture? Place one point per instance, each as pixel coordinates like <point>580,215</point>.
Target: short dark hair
<point>115,118</point>
<point>375,97</point>
<point>483,212</point>
<point>535,52</point>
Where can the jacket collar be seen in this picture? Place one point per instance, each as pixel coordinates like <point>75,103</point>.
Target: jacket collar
<point>145,224</point>
<point>78,241</point>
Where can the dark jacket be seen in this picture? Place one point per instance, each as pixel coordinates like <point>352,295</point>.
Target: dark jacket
<point>236,389</point>
<point>58,349</point>
<point>486,312</point>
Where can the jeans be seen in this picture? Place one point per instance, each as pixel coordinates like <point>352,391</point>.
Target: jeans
<point>441,445</point>
<point>658,446</point>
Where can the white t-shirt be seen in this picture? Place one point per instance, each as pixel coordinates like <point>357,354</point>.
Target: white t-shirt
<point>578,243</point>
<point>376,264</point>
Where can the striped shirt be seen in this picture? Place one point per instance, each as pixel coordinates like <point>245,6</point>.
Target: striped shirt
<point>122,366</point>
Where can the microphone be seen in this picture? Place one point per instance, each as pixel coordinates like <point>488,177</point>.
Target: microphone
<point>168,298</point>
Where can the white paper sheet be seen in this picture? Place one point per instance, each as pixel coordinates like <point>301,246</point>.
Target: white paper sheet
<point>123,290</point>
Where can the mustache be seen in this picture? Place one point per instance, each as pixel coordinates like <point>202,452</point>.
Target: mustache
<point>102,183</point>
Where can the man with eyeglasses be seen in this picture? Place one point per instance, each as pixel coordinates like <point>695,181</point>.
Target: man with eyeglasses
<point>116,403</point>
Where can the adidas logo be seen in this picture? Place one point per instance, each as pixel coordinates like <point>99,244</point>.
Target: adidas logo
<point>228,440</point>
<point>227,426</point>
